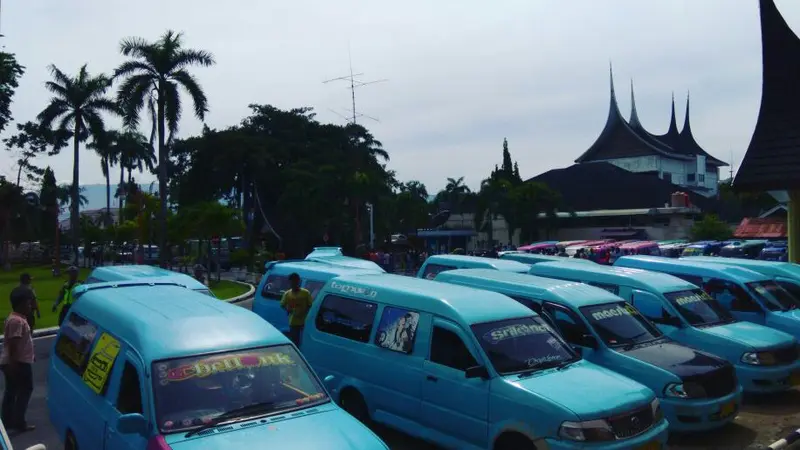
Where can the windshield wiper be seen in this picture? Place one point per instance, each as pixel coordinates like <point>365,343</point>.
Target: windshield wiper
<point>232,414</point>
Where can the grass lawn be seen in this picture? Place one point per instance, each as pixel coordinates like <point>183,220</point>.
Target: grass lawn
<point>46,286</point>
<point>225,289</point>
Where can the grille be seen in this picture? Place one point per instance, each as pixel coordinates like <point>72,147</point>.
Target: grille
<point>633,423</point>
<point>786,355</point>
<point>715,384</point>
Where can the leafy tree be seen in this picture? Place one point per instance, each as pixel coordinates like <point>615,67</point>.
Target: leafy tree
<point>710,227</point>
<point>77,105</point>
<point>10,73</point>
<point>455,195</point>
<point>152,78</point>
<point>32,140</point>
<point>528,200</point>
<point>48,199</point>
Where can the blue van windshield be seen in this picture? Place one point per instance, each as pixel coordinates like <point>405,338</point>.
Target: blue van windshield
<point>620,324</point>
<point>521,345</point>
<point>190,392</point>
<point>774,297</point>
<point>699,308</point>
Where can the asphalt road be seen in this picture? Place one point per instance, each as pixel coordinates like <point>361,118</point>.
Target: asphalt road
<point>45,434</point>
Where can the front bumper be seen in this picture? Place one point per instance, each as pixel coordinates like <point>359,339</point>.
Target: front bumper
<point>768,379</point>
<point>686,415</point>
<point>653,439</point>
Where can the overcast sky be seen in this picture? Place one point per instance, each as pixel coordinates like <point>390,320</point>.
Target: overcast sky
<point>462,74</point>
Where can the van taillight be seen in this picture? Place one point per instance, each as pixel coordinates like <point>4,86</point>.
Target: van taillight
<point>157,443</point>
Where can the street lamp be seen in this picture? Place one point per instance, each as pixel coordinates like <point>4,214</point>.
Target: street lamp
<point>371,225</point>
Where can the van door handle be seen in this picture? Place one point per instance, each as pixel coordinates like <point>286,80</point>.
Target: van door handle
<point>432,378</point>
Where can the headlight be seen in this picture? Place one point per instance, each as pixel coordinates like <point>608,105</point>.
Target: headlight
<point>684,390</point>
<point>589,431</point>
<point>759,359</point>
<point>658,414</point>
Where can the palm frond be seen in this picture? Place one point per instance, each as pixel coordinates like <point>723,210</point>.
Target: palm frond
<point>189,82</point>
<point>59,90</point>
<point>103,104</point>
<point>183,58</point>
<point>136,47</point>
<point>131,95</point>
<point>53,111</point>
<point>172,105</point>
<point>134,67</point>
<point>59,76</point>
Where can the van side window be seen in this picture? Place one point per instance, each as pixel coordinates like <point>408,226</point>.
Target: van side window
<point>731,296</point>
<point>572,328</point>
<point>74,343</point>
<point>793,288</point>
<point>528,303</point>
<point>397,329</point>
<point>614,289</point>
<point>314,286</point>
<point>431,270</point>
<point>129,400</point>
<point>347,318</point>
<point>275,286</point>
<point>449,350</point>
<point>697,281</point>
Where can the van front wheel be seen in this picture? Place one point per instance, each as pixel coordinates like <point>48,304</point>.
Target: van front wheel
<point>514,441</point>
<point>69,442</point>
<point>352,402</point>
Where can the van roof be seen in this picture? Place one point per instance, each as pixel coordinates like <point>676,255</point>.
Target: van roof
<point>165,320</point>
<point>573,293</point>
<point>637,278</point>
<point>739,274</point>
<point>134,272</point>
<point>447,300</point>
<point>535,258</point>
<point>498,264</point>
<point>316,267</point>
<point>346,261</point>
<point>774,268</point>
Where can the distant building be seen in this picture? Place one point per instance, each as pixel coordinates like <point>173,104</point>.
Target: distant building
<point>673,156</point>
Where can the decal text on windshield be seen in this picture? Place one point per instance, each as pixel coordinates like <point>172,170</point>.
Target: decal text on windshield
<point>212,366</point>
<point>616,311</point>
<point>514,331</point>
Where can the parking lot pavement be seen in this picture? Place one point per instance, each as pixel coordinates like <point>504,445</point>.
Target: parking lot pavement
<point>761,421</point>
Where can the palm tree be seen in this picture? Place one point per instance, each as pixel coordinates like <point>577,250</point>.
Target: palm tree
<point>152,78</point>
<point>77,106</point>
<point>106,151</point>
<point>133,152</point>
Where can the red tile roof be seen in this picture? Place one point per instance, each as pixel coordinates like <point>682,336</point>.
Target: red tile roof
<point>761,228</point>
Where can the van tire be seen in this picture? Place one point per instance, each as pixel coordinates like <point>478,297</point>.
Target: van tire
<point>513,441</point>
<point>69,442</point>
<point>353,403</point>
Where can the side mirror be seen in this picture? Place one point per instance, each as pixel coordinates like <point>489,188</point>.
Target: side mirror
<point>587,340</point>
<point>37,447</point>
<point>132,424</point>
<point>477,372</point>
<point>328,380</point>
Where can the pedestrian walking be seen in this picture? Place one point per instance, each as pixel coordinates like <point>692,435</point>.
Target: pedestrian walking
<point>16,362</point>
<point>296,301</point>
<point>25,282</point>
<point>65,296</point>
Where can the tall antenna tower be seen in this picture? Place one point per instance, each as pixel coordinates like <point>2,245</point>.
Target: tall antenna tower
<point>354,83</point>
<point>731,166</point>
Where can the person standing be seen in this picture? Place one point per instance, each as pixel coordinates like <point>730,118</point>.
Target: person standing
<point>296,301</point>
<point>25,281</point>
<point>65,296</point>
<point>16,362</point>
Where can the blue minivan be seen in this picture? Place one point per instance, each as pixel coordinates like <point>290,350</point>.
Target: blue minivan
<point>313,275</point>
<point>335,256</point>
<point>469,369</point>
<point>786,274</point>
<point>439,263</point>
<point>154,365</point>
<point>748,295</point>
<point>138,272</point>
<point>697,390</point>
<point>766,360</point>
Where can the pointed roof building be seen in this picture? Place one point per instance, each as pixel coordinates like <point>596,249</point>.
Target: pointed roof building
<point>772,161</point>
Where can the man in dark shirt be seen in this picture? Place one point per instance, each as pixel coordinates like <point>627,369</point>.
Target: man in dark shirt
<point>25,281</point>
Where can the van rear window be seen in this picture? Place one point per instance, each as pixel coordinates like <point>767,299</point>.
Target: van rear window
<point>275,286</point>
<point>75,342</point>
<point>347,318</point>
<point>431,270</point>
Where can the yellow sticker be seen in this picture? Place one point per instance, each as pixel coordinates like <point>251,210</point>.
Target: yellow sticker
<point>101,362</point>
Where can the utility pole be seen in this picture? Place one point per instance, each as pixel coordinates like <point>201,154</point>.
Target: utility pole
<point>354,83</point>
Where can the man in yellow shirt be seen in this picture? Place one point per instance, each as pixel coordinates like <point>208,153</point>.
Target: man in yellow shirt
<point>296,301</point>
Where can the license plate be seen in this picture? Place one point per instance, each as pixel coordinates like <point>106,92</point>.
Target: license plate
<point>651,446</point>
<point>727,409</point>
<point>794,379</point>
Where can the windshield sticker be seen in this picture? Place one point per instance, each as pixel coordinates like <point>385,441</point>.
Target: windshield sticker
<point>533,362</point>
<point>397,329</point>
<point>213,366</point>
<point>692,298</point>
<point>354,290</point>
<point>100,363</point>
<point>617,311</point>
<point>514,331</point>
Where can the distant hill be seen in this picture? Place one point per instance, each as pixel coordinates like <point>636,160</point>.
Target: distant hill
<point>96,195</point>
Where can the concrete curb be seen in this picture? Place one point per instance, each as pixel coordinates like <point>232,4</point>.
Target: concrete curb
<point>790,439</point>
<point>52,331</point>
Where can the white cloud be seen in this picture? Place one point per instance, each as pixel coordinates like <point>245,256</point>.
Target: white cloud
<point>462,74</point>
